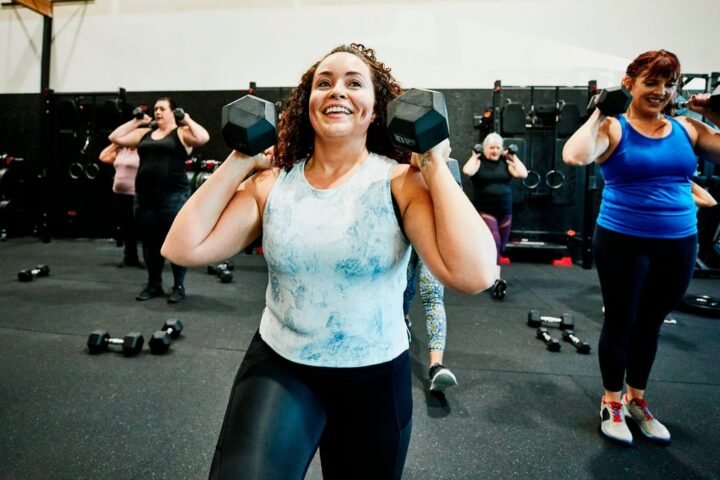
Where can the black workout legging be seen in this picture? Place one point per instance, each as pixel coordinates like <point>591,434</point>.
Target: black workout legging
<point>280,412</point>
<point>153,222</point>
<point>500,226</point>
<point>642,280</point>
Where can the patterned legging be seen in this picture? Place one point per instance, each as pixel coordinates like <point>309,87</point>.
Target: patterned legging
<point>432,294</point>
<point>500,227</point>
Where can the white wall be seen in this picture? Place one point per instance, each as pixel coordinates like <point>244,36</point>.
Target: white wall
<point>170,45</point>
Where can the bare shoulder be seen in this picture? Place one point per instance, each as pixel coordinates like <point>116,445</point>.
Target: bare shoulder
<point>692,126</point>
<point>610,128</point>
<point>407,184</point>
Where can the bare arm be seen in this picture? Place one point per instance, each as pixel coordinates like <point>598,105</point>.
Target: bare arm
<point>701,196</point>
<point>192,133</point>
<point>223,216</point>
<point>472,165</point>
<point>515,166</point>
<point>708,138</point>
<point>130,133</point>
<point>442,224</point>
<point>109,153</point>
<point>590,142</point>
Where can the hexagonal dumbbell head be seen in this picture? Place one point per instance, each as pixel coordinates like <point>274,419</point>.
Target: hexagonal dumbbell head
<point>98,341</point>
<point>417,119</point>
<point>248,125</point>
<point>179,115</point>
<point>132,343</point>
<point>534,319</point>
<point>173,328</point>
<point>160,342</point>
<point>612,101</point>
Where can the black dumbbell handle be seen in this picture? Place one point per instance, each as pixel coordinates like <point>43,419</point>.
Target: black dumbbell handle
<point>115,341</point>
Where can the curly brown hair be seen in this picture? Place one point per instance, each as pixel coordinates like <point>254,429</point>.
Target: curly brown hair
<point>295,133</point>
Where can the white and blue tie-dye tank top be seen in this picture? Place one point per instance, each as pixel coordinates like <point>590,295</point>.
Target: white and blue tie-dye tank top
<point>337,269</point>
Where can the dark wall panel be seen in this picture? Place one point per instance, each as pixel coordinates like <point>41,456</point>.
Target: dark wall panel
<point>80,206</point>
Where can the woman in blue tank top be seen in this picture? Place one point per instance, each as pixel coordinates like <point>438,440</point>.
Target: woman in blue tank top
<point>329,367</point>
<point>645,239</point>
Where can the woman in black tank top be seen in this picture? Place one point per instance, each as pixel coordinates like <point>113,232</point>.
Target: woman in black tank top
<point>491,172</point>
<point>161,186</point>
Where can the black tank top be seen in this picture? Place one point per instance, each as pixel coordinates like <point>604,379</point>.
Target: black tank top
<point>491,186</point>
<point>162,167</point>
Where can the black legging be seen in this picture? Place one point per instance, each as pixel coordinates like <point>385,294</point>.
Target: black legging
<point>280,412</point>
<point>153,222</point>
<point>125,220</point>
<point>642,280</point>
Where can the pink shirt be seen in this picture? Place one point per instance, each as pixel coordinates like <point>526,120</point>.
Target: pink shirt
<point>126,166</point>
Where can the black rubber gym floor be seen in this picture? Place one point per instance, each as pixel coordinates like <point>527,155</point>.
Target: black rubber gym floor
<point>519,411</point>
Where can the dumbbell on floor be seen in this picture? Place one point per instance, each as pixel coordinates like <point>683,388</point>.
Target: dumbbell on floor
<point>580,346</point>
<point>160,341</point>
<point>535,319</point>
<point>30,274</point>
<point>100,340</point>
<point>222,270</point>
<point>552,344</point>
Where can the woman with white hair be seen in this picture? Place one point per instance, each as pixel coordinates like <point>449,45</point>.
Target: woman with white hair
<point>491,172</point>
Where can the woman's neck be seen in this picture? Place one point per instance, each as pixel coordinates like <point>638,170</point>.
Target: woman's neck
<point>330,167</point>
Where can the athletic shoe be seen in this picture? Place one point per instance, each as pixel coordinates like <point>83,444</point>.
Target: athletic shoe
<point>177,295</point>
<point>499,289</point>
<point>649,425</point>
<point>441,378</point>
<point>613,426</point>
<point>150,291</point>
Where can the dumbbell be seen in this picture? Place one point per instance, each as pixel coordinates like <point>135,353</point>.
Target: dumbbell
<point>535,319</point>
<point>512,148</point>
<point>29,274</point>
<point>580,346</point>
<point>681,103</point>
<point>179,115</point>
<point>552,344</point>
<point>248,125</point>
<point>100,340</point>
<point>417,119</point>
<point>160,341</point>
<point>222,270</point>
<point>611,101</point>
<point>139,112</point>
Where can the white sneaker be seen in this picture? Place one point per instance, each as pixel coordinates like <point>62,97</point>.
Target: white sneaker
<point>649,425</point>
<point>441,378</point>
<point>613,426</point>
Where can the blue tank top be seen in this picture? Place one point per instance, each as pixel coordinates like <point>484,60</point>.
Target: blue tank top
<point>337,263</point>
<point>647,184</point>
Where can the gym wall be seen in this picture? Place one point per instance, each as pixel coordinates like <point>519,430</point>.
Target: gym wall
<point>171,45</point>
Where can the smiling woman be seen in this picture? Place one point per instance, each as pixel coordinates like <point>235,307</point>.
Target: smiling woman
<point>338,210</point>
<point>645,241</point>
